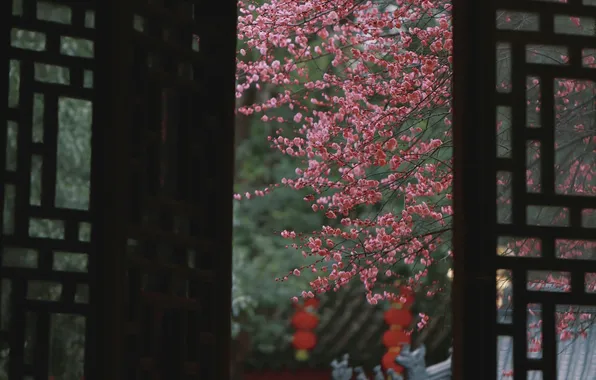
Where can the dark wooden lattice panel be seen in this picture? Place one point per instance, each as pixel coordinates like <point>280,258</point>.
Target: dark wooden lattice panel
<point>526,67</point>
<point>116,187</point>
<point>46,259</point>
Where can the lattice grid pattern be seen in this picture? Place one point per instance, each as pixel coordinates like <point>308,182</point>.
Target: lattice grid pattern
<point>59,249</point>
<point>544,112</point>
<point>46,246</point>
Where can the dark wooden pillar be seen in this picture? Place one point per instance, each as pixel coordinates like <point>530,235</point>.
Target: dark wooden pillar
<point>474,353</point>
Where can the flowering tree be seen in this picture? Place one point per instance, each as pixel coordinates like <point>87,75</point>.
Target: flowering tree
<point>366,85</point>
<point>369,131</point>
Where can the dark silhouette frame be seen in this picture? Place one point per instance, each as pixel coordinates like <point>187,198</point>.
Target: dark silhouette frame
<point>161,178</point>
<point>476,328</point>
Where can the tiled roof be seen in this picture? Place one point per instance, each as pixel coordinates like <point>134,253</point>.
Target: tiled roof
<point>348,324</point>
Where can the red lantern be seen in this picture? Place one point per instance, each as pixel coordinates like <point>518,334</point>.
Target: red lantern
<point>311,302</point>
<point>304,340</point>
<point>408,294</point>
<point>399,317</point>
<point>303,320</point>
<point>396,338</point>
<point>388,361</point>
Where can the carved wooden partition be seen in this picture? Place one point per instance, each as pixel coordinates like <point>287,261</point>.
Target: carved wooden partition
<point>116,189</point>
<point>533,169</point>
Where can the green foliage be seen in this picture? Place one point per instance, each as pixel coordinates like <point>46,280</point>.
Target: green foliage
<point>260,255</point>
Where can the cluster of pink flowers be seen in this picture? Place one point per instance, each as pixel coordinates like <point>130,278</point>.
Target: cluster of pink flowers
<point>368,88</point>
<point>361,131</point>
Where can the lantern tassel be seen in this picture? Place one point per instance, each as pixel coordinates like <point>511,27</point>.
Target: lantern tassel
<point>301,355</point>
